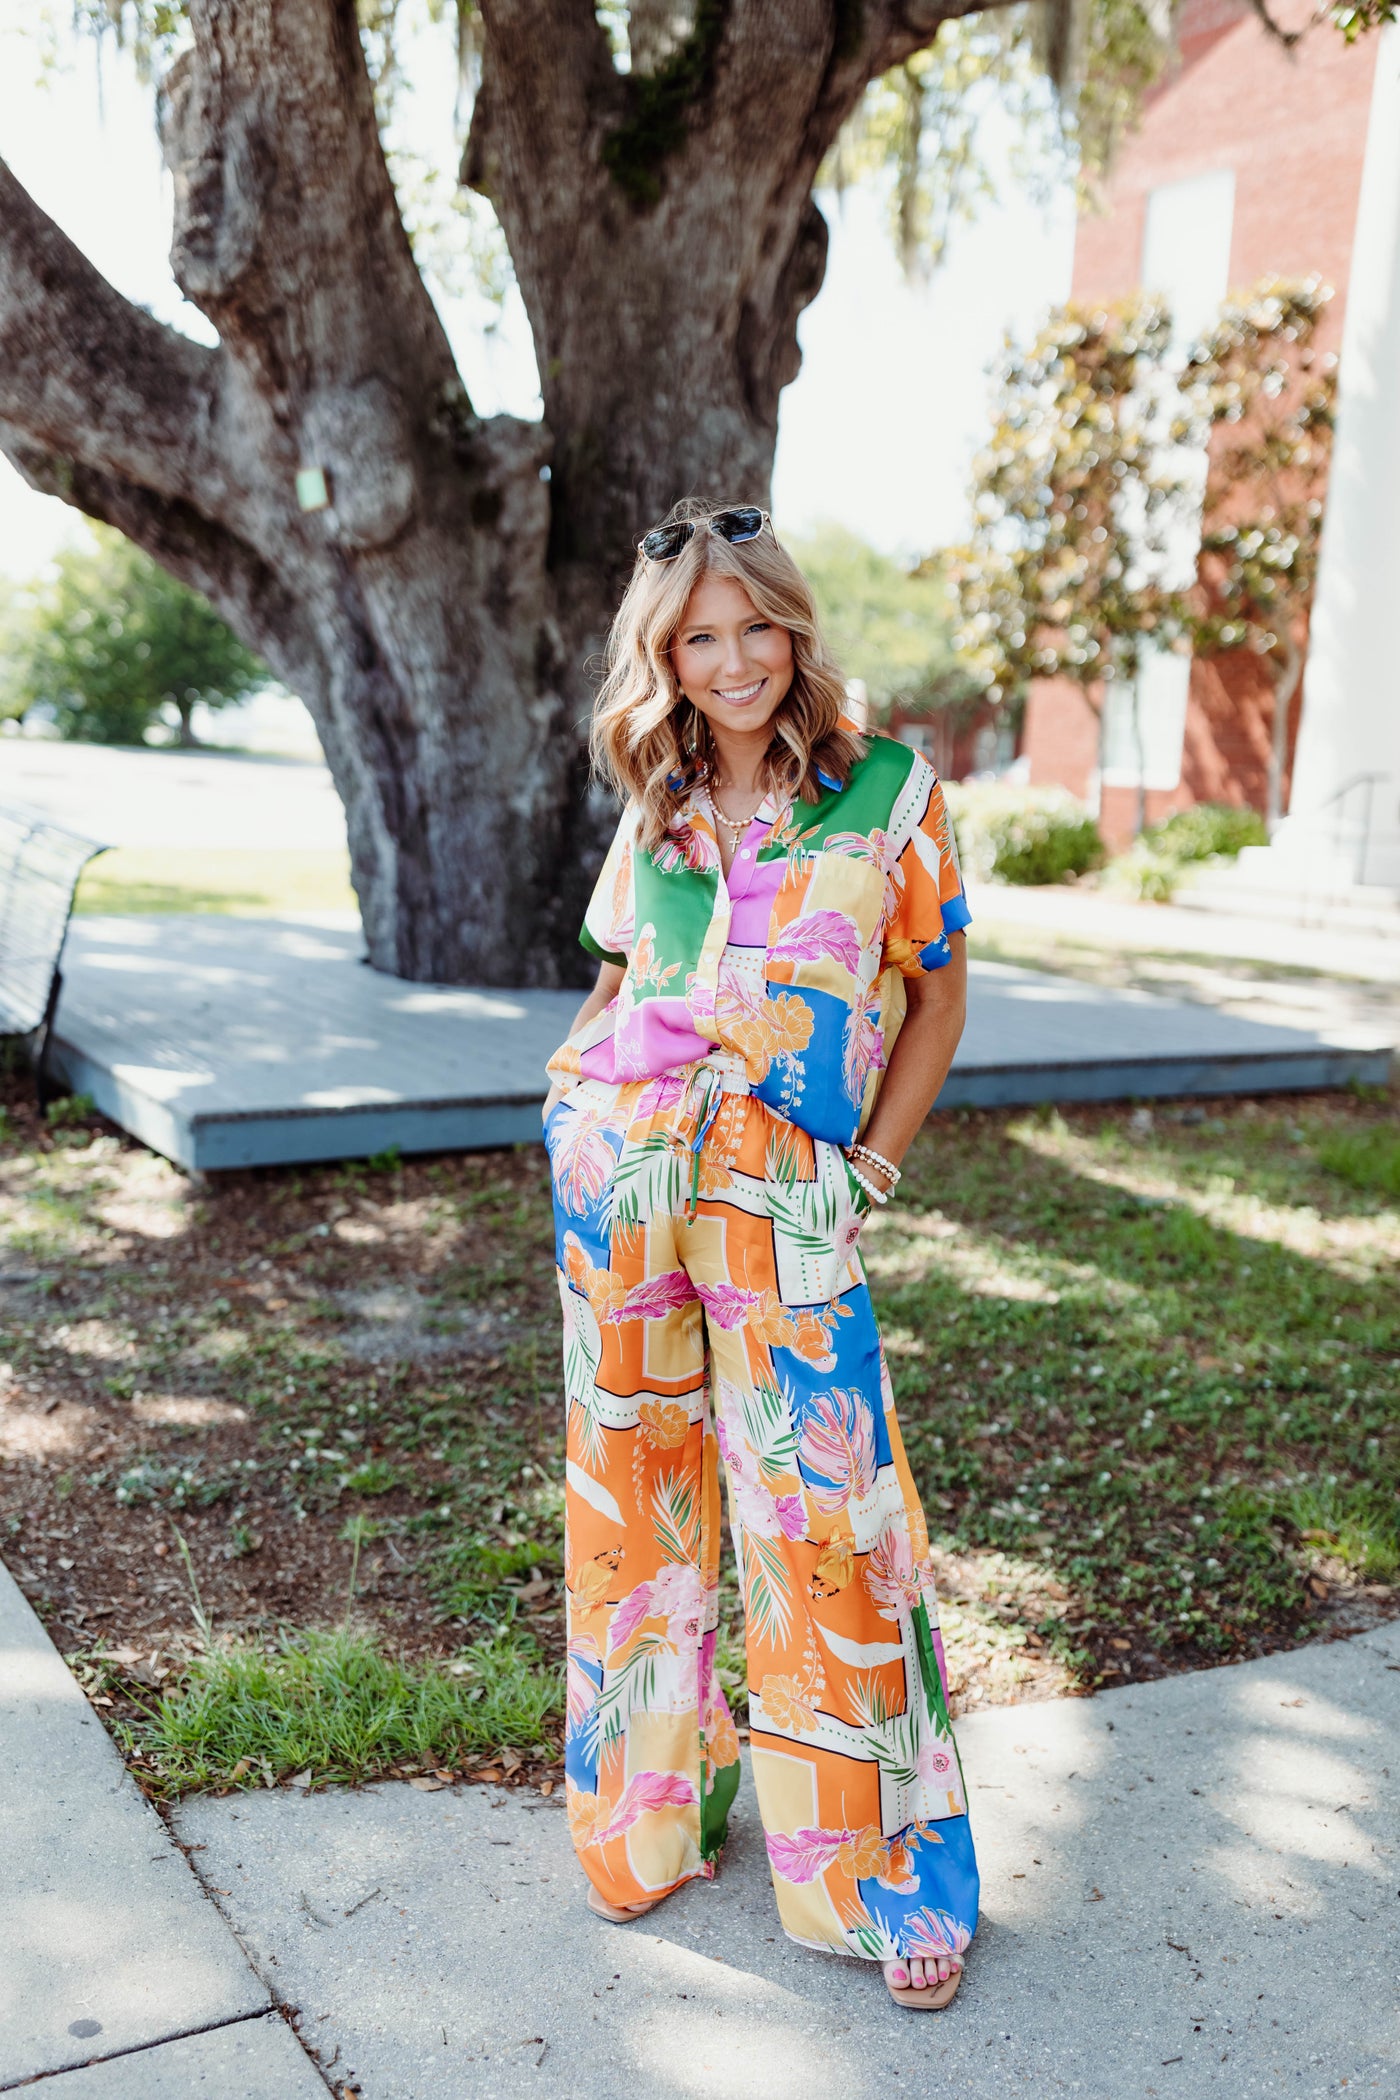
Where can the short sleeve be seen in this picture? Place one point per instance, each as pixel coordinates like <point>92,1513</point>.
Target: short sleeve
<point>607,924</point>
<point>930,900</point>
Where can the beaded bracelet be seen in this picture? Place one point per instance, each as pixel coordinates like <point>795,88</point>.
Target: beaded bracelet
<point>878,1159</point>
<point>875,1195</point>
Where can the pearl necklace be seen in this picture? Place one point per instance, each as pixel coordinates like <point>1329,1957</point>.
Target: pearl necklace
<point>736,831</point>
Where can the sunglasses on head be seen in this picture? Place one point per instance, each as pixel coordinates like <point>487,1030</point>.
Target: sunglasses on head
<point>736,526</point>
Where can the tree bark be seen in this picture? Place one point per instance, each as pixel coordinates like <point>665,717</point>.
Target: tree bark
<point>439,613</point>
<point>1285,686</point>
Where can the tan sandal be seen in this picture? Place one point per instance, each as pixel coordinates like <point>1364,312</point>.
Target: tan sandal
<point>619,1913</point>
<point>926,2000</point>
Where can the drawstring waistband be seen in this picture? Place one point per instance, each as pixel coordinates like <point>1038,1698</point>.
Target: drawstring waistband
<point>706,1086</point>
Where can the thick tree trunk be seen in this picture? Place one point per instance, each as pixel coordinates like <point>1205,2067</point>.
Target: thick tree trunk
<point>438,612</point>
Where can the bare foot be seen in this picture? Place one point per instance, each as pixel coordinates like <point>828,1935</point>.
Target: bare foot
<point>919,1972</point>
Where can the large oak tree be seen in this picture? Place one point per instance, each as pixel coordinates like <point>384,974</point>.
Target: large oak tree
<point>439,614</point>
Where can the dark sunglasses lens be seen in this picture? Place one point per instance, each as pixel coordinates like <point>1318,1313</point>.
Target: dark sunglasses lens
<point>736,526</point>
<point>666,542</point>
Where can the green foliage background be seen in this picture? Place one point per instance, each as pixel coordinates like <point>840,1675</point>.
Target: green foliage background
<point>891,629</point>
<point>107,638</point>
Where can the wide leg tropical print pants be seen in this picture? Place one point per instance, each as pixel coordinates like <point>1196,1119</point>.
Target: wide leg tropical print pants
<point>715,1305</point>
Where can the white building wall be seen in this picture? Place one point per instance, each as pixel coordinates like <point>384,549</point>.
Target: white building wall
<point>1186,259</point>
<point>1351,715</point>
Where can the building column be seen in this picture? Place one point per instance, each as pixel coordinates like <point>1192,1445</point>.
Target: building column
<point>1339,829</point>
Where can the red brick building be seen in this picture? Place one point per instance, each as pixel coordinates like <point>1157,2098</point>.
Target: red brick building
<point>1247,162</point>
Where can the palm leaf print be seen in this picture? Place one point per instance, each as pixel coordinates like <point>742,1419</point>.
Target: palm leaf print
<point>869,1703</point>
<point>684,847</point>
<point>807,1218</point>
<point>807,1853</point>
<point>894,1745</point>
<point>856,845</point>
<point>675,1507</point>
<point>767,1597</point>
<point>647,1791</point>
<point>727,1304</point>
<point>838,1441</point>
<point>645,1181</point>
<point>631,1685</point>
<point>582,1164</point>
<point>789,1156</point>
<point>767,1416</point>
<point>658,1296</point>
<point>861,1042</point>
<point>588,1436</point>
<point>817,935</point>
<point>580,1389</point>
<point>931,1931</point>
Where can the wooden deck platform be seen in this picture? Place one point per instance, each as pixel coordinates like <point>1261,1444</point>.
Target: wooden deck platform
<point>226,1042</point>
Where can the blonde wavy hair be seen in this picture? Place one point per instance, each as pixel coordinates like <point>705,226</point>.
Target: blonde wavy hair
<point>650,743</point>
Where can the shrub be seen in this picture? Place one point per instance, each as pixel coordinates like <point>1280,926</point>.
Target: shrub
<point>1151,868</point>
<point>1208,830</point>
<point>1022,834</point>
<point>1141,873</point>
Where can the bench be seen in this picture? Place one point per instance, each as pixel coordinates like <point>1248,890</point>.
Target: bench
<point>40,864</point>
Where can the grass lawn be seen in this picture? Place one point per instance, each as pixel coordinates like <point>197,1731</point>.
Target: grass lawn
<point>222,879</point>
<point>282,1451</point>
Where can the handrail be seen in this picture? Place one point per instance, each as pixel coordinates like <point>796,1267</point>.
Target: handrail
<point>1368,781</point>
<point>1357,780</point>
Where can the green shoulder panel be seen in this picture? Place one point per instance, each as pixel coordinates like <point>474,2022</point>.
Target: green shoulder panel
<point>863,805</point>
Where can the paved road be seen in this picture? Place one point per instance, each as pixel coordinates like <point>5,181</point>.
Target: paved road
<point>175,798</point>
<point>187,799</point>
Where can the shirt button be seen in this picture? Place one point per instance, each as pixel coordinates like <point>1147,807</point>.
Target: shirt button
<point>743,853</point>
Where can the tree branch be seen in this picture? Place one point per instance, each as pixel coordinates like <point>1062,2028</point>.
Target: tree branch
<point>896,29</point>
<point>287,230</point>
<point>87,376</point>
<point>211,558</point>
<point>1275,29</point>
<point>555,58</point>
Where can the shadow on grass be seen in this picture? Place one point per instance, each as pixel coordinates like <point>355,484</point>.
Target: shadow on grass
<point>1177,1419</point>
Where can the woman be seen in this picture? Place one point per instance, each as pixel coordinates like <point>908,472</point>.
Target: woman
<point>781,984</point>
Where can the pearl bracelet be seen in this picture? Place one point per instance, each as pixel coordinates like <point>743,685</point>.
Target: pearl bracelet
<point>875,1195</point>
<point>878,1159</point>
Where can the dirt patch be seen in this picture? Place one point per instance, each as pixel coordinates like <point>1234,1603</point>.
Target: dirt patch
<point>1145,1363</point>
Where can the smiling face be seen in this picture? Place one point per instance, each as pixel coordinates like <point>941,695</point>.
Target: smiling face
<point>734,666</point>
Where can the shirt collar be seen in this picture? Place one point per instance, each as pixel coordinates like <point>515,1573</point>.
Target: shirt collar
<point>769,809</point>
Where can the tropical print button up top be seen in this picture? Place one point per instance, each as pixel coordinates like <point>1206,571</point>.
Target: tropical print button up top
<point>793,966</point>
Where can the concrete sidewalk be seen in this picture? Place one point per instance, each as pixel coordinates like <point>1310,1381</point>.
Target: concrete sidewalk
<point>1100,919</point>
<point>1191,1888</point>
<point>112,1955</point>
